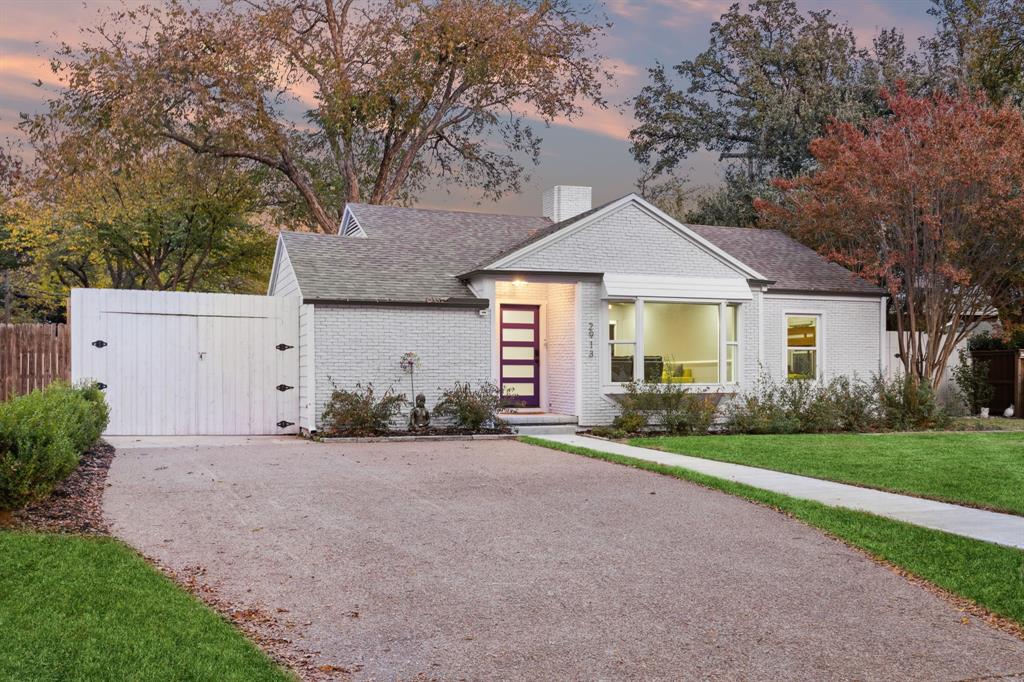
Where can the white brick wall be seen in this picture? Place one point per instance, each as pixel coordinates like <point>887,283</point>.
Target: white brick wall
<point>850,334</point>
<point>628,241</point>
<point>561,346</point>
<point>362,344</point>
<point>562,202</point>
<point>595,407</point>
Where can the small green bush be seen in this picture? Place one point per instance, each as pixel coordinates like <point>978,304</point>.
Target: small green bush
<point>985,341</point>
<point>469,408</point>
<point>842,404</point>
<point>769,407</point>
<point>909,405</point>
<point>42,435</point>
<point>631,422</point>
<point>609,432</point>
<point>971,377</point>
<point>361,412</point>
<point>671,408</point>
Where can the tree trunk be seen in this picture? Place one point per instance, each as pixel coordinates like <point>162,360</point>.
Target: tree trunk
<point>8,299</point>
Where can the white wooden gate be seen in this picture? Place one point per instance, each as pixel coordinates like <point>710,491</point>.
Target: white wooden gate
<point>188,363</point>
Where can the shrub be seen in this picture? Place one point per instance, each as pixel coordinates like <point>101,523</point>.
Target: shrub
<point>91,414</point>
<point>360,412</point>
<point>469,408</point>
<point>41,437</point>
<point>670,407</point>
<point>908,405</point>
<point>985,341</point>
<point>801,406</point>
<point>609,432</point>
<point>766,408</point>
<point>630,422</point>
<point>971,377</point>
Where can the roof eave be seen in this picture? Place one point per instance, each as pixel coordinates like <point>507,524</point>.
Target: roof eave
<point>499,272</point>
<point>879,293</point>
<point>468,302</point>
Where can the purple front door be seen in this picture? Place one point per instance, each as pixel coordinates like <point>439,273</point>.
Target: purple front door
<point>520,354</point>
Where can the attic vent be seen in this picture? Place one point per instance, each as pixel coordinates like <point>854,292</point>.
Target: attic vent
<point>350,226</point>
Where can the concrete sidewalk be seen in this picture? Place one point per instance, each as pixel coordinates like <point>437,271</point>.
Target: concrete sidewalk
<point>1002,529</point>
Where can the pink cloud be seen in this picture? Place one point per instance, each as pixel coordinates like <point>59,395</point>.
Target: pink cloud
<point>669,13</point>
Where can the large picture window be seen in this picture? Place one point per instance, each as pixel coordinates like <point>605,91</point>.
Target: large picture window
<point>802,348</point>
<point>670,342</point>
<point>681,343</point>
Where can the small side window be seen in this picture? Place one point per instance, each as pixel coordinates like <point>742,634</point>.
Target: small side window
<point>802,346</point>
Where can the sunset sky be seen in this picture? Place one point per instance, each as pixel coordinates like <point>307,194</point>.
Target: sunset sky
<point>593,150</point>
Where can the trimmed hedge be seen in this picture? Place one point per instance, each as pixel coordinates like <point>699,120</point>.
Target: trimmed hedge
<point>42,435</point>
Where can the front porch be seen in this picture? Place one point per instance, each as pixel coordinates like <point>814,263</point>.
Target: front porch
<point>535,348</point>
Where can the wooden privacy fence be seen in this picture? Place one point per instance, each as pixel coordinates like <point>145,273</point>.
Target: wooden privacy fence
<point>32,356</point>
<point>1006,375</point>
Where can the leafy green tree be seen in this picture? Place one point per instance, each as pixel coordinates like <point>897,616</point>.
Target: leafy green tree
<point>770,80</point>
<point>339,100</point>
<point>980,43</point>
<point>11,257</point>
<point>106,213</point>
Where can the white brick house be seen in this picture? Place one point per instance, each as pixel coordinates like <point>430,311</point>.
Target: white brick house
<point>563,309</point>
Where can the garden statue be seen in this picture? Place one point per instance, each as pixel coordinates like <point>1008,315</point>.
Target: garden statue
<point>419,418</point>
<point>1008,412</point>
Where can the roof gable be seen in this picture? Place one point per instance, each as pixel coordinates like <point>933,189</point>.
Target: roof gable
<point>625,235</point>
<point>282,275</point>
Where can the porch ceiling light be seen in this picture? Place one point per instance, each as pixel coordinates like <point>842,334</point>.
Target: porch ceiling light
<point>519,282</point>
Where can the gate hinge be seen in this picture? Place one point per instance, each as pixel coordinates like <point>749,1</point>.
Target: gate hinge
<point>283,424</point>
<point>100,343</point>
<point>284,387</point>
<point>283,346</point>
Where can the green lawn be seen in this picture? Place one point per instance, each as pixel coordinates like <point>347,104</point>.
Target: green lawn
<point>990,575</point>
<point>979,469</point>
<point>74,608</point>
<point>990,424</point>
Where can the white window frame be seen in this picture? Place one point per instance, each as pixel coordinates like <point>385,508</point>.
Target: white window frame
<point>606,352</point>
<point>723,365</point>
<point>819,342</point>
<point>609,386</point>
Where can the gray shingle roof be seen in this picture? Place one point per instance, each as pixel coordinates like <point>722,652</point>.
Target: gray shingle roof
<point>779,257</point>
<point>415,255</point>
<point>409,254</point>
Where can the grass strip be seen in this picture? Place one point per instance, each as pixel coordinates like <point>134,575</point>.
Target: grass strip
<point>986,574</point>
<point>80,608</point>
<point>983,470</point>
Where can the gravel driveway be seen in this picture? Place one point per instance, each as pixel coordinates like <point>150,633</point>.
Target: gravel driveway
<point>499,560</point>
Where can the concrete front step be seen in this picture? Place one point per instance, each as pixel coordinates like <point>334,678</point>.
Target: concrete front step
<point>537,418</point>
<point>545,429</point>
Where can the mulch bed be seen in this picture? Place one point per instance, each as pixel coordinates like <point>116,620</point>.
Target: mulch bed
<point>428,434</point>
<point>76,505</point>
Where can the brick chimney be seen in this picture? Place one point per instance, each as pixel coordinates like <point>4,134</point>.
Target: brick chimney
<point>562,202</point>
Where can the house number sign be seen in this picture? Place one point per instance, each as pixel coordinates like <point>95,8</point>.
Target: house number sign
<point>590,333</point>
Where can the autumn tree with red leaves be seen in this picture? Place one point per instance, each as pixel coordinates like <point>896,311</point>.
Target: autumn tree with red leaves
<point>928,202</point>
